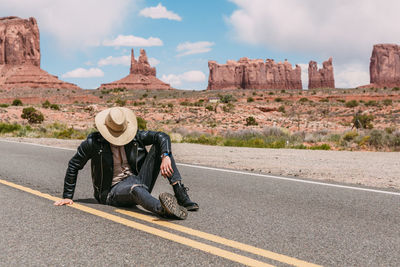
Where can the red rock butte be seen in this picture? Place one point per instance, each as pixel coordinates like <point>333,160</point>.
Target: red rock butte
<point>321,78</point>
<point>20,57</point>
<point>384,68</point>
<point>253,74</point>
<point>141,76</point>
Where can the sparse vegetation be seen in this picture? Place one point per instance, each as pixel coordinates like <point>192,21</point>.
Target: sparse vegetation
<point>250,121</point>
<point>46,104</point>
<point>363,121</point>
<point>387,102</point>
<point>142,123</point>
<point>120,102</point>
<point>227,98</point>
<point>351,104</point>
<point>17,102</point>
<point>250,99</point>
<point>32,115</point>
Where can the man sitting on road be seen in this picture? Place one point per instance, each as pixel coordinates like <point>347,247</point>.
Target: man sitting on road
<point>123,172</point>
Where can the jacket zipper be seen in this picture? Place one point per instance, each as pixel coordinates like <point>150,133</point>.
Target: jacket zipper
<point>137,157</point>
<point>101,167</point>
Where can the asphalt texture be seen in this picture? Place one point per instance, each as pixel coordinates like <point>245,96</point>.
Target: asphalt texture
<point>315,223</point>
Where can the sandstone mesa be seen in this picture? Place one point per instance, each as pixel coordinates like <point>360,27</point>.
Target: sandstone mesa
<point>20,57</point>
<point>253,74</point>
<point>384,67</point>
<point>321,78</point>
<point>141,76</point>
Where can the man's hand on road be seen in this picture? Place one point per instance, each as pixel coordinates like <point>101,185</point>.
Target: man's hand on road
<point>65,201</point>
<point>166,167</point>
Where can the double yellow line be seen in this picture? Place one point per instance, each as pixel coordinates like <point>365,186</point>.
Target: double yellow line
<point>177,238</point>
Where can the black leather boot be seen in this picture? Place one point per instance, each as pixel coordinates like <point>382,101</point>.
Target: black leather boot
<point>183,198</point>
<point>171,208</point>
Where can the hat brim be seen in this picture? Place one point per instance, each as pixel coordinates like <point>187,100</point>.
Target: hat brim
<point>117,138</point>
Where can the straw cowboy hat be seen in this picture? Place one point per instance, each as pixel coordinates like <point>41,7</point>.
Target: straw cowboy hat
<point>117,125</point>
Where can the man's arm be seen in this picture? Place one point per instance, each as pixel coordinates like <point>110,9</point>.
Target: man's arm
<point>78,161</point>
<point>163,142</point>
<point>160,139</point>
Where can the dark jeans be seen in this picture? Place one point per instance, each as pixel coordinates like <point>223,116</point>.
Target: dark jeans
<point>136,189</point>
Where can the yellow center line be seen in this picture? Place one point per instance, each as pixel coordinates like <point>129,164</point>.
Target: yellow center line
<point>219,240</point>
<point>151,230</point>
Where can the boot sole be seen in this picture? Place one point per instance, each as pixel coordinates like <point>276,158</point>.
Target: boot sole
<point>170,204</point>
<point>192,208</point>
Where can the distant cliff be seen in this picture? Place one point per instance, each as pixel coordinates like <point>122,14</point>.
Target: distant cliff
<point>253,74</point>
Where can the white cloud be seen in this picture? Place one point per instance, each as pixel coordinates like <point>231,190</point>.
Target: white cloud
<point>351,75</point>
<point>194,76</point>
<point>74,23</point>
<point>84,73</point>
<point>159,12</point>
<point>189,48</point>
<point>131,40</point>
<point>346,30</point>
<point>123,60</point>
<point>153,61</point>
<point>304,74</point>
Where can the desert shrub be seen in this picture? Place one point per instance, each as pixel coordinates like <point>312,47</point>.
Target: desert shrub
<point>32,115</point>
<point>278,99</point>
<point>142,123</point>
<point>363,121</point>
<point>350,135</point>
<point>250,99</point>
<point>340,100</point>
<point>371,103</point>
<point>145,95</point>
<point>186,103</point>
<point>303,100</point>
<point>396,89</point>
<point>324,100</point>
<point>387,102</point>
<point>119,89</point>
<point>351,104</point>
<point>204,139</point>
<point>4,105</point>
<point>69,133</point>
<point>320,147</point>
<point>228,107</point>
<point>227,98</point>
<point>376,138</point>
<point>170,105</point>
<point>210,108</point>
<point>390,130</point>
<point>46,104</point>
<point>251,121</point>
<point>17,102</point>
<point>138,103</point>
<point>334,137</point>
<point>271,93</point>
<point>9,128</point>
<point>282,109</point>
<point>120,102</point>
<point>55,106</point>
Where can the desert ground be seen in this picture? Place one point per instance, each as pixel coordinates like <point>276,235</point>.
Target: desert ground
<point>310,117</point>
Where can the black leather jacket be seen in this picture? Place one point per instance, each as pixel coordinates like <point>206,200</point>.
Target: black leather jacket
<point>96,148</point>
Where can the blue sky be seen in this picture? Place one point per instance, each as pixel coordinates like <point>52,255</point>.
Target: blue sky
<point>88,42</point>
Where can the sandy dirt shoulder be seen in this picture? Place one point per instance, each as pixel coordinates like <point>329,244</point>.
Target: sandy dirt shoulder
<point>376,169</point>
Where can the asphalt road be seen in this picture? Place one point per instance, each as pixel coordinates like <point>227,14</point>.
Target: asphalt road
<point>285,222</point>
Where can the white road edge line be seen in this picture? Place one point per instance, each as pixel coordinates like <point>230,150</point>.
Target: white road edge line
<point>244,173</point>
